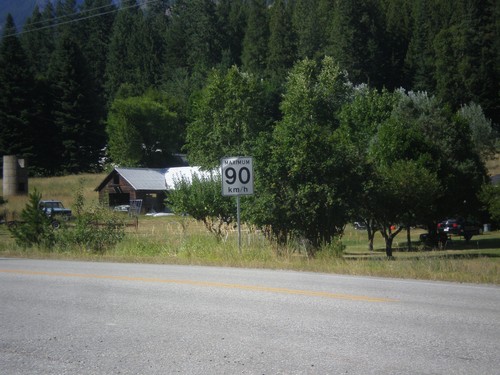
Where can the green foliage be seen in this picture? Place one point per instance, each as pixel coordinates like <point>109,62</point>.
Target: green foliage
<point>16,96</point>
<point>420,155</point>
<point>481,130</point>
<point>201,198</point>
<point>282,49</point>
<point>95,230</point>
<point>193,39</point>
<point>142,131</point>
<point>307,27</point>
<point>490,197</point>
<point>39,44</point>
<point>356,40</point>
<point>255,42</point>
<point>65,76</point>
<point>228,116</point>
<point>79,137</point>
<point>34,228</point>
<point>124,50</point>
<point>308,192</point>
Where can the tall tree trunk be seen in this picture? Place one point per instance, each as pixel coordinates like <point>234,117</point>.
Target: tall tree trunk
<point>371,236</point>
<point>388,245</point>
<point>408,237</point>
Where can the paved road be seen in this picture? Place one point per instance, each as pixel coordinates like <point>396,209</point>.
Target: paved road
<point>61,317</point>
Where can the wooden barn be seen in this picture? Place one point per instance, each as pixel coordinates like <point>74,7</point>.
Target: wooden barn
<point>123,186</point>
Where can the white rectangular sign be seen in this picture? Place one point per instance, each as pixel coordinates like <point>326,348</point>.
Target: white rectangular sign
<point>237,176</point>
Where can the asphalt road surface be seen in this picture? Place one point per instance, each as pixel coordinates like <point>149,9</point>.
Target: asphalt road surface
<point>60,317</point>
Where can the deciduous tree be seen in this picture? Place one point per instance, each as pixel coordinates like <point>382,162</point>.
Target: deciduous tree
<point>228,117</point>
<point>308,191</point>
<point>142,131</point>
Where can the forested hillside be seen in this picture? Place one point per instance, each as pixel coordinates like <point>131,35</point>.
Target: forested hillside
<point>70,66</point>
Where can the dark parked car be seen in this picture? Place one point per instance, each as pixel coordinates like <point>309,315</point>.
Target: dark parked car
<point>358,225</point>
<point>55,210</point>
<point>459,227</point>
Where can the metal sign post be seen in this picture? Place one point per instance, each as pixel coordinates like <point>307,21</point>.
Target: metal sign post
<point>237,180</point>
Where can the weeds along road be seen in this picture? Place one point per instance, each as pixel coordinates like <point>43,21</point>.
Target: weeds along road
<point>60,317</point>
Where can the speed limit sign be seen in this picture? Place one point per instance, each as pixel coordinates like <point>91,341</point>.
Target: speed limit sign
<point>237,176</point>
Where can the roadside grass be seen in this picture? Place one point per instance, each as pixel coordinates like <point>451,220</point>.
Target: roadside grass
<point>181,240</point>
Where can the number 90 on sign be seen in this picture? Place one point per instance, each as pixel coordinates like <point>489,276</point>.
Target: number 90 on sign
<point>237,176</point>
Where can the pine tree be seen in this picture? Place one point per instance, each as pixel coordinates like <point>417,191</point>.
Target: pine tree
<point>38,39</point>
<point>282,42</point>
<point>71,94</point>
<point>420,58</point>
<point>121,64</point>
<point>255,42</point>
<point>231,19</point>
<point>95,30</point>
<point>310,37</point>
<point>355,41</point>
<point>16,95</point>
<point>465,57</point>
<point>150,45</point>
<point>397,15</point>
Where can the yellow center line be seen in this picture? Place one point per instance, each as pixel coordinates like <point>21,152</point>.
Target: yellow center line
<point>208,284</point>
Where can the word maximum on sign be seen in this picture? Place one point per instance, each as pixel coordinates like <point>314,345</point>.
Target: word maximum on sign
<point>237,176</point>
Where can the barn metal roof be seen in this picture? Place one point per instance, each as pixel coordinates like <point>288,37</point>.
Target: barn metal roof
<point>151,179</point>
<point>144,178</point>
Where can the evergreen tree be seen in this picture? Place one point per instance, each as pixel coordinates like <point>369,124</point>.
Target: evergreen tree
<point>193,36</point>
<point>465,57</point>
<point>154,30</point>
<point>231,18</point>
<point>16,96</point>
<point>420,58</point>
<point>282,42</point>
<point>122,65</point>
<point>397,14</point>
<point>71,93</point>
<point>95,30</point>
<point>310,37</point>
<point>35,229</point>
<point>66,14</point>
<point>38,39</point>
<point>256,40</point>
<point>356,38</point>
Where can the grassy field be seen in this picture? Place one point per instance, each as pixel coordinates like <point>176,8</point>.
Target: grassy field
<point>180,240</point>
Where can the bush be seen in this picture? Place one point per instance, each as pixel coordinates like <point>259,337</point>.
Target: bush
<point>202,199</point>
<point>34,228</point>
<point>95,230</point>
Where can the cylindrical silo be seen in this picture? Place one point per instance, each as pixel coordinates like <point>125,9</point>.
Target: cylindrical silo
<point>15,176</point>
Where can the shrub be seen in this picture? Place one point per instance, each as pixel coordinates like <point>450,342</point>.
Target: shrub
<point>202,199</point>
<point>95,230</point>
<point>34,228</point>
